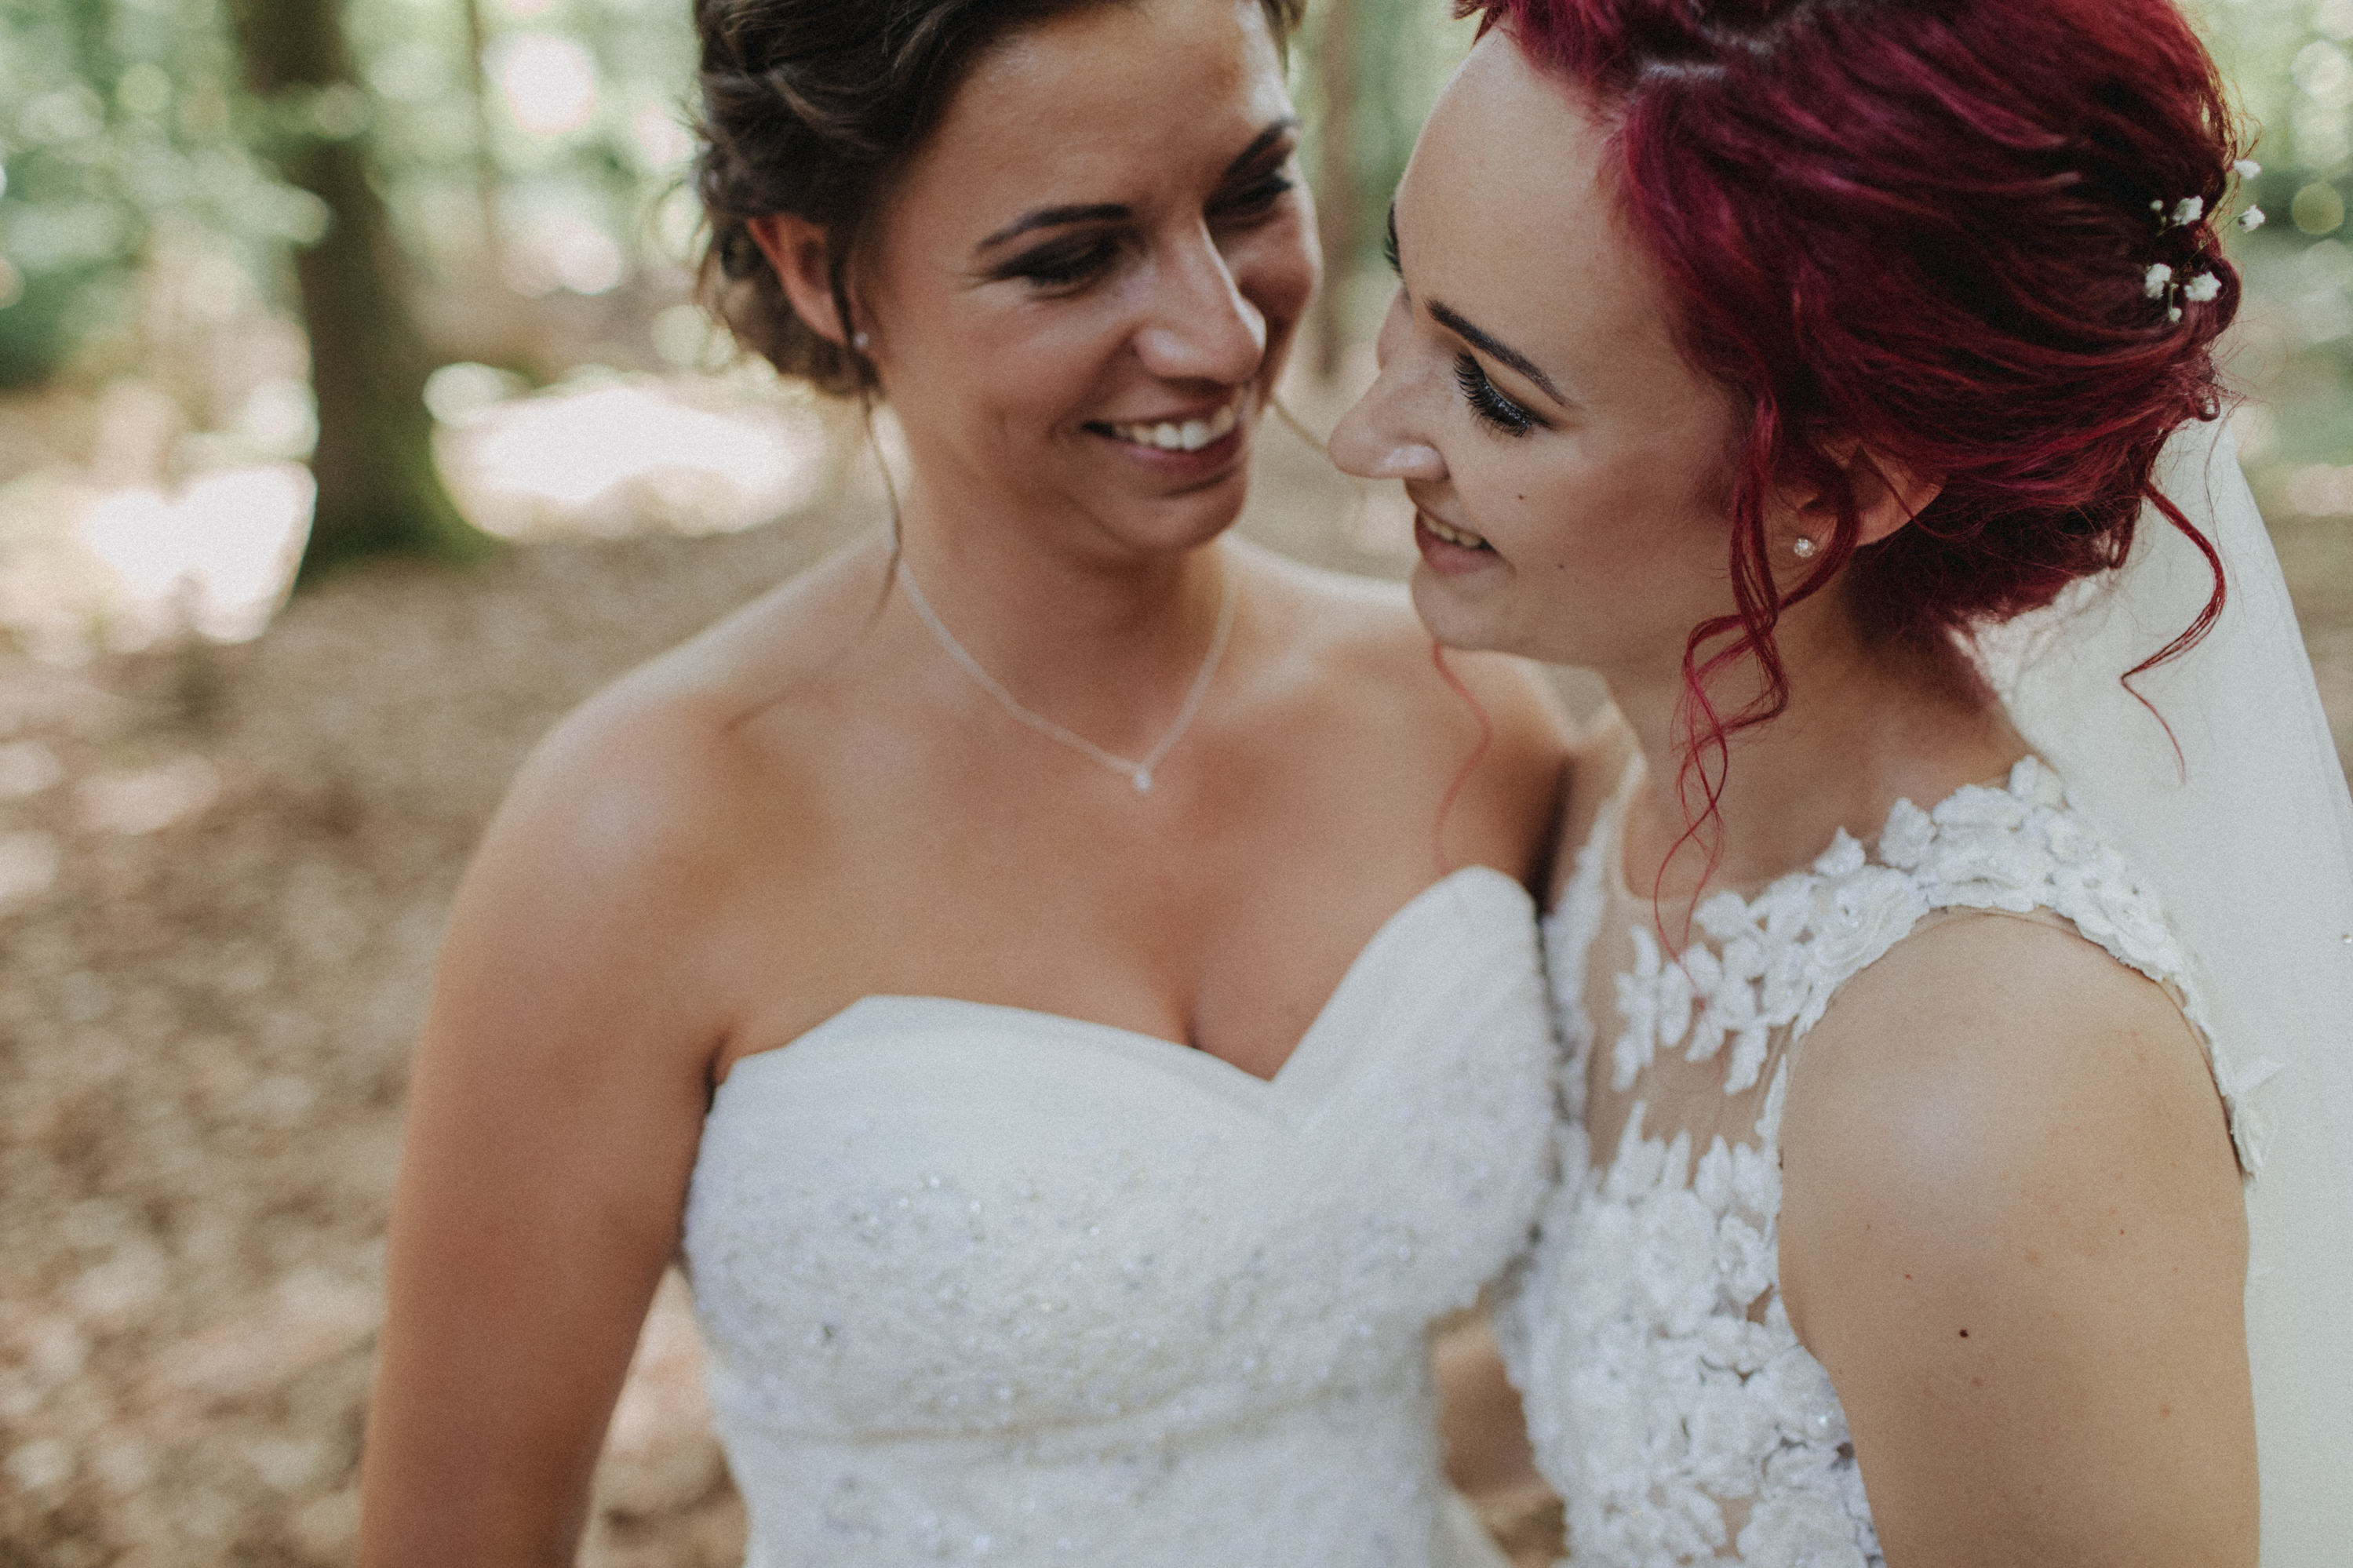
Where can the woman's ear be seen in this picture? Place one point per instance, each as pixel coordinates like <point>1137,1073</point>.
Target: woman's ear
<point>1887,495</point>
<point>795,248</point>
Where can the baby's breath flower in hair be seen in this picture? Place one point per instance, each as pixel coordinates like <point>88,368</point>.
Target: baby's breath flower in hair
<point>2160,283</point>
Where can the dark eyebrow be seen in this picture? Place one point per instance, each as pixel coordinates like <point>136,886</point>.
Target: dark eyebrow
<point>1259,144</point>
<point>1055,217</point>
<point>1113,212</point>
<point>1453,322</point>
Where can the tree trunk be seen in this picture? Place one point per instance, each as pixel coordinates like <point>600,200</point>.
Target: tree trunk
<point>378,492</point>
<point>1337,200</point>
<point>486,157</point>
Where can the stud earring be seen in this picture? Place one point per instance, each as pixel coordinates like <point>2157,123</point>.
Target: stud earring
<point>859,341</point>
<point>1803,547</point>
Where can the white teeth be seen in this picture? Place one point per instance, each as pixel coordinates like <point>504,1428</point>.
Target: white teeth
<point>1451,535</point>
<point>1190,437</point>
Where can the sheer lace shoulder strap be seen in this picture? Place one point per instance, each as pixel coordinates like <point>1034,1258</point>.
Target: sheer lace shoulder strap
<point>1600,780</point>
<point>1575,919</point>
<point>1598,866</point>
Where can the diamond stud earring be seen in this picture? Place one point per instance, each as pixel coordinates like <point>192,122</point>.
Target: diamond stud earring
<point>1804,548</point>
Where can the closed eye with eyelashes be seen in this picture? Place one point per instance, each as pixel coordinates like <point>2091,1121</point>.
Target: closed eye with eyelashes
<point>1488,404</point>
<point>1252,192</point>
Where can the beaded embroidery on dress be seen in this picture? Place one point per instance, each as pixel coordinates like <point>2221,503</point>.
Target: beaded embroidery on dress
<point>983,1284</point>
<point>1670,1401</point>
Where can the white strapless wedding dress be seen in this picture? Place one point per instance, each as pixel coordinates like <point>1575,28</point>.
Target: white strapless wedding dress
<point>983,1284</point>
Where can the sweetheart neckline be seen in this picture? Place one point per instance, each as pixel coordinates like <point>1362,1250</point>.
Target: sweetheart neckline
<point>1150,1043</point>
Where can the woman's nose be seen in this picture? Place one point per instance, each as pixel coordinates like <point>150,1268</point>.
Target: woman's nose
<point>1204,327</point>
<point>1375,439</point>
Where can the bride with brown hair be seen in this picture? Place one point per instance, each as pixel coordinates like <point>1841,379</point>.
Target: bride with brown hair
<point>1063,982</point>
<point>1964,901</point>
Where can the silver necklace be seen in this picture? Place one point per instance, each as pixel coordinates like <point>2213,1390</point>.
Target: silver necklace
<point>1138,774</point>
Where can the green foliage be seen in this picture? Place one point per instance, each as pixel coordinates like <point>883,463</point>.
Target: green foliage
<point>535,146</point>
<point>122,118</point>
<point>55,310</point>
<point>2290,67</point>
<point>1405,49</point>
<point>568,126</point>
<point>1401,53</point>
<point>117,120</point>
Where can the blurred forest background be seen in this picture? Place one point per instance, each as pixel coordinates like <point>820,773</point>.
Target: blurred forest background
<point>393,297</point>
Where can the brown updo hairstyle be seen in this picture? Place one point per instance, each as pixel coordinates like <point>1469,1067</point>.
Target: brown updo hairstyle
<point>814,108</point>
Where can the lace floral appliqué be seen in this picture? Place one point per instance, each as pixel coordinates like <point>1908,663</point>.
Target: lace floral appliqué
<point>1668,1396</point>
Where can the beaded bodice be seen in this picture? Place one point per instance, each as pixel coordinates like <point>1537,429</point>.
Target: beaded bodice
<point>989,1285</point>
<point>1668,1399</point>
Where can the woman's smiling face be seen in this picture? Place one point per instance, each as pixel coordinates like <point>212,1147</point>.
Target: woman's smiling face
<point>1569,466</point>
<point>1085,284</point>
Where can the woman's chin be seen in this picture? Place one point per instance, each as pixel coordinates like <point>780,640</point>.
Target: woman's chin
<point>1186,521</point>
<point>1450,608</point>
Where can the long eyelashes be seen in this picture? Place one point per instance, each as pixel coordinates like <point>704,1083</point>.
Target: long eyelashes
<point>1256,198</point>
<point>1489,407</point>
<point>1063,266</point>
<point>1070,266</point>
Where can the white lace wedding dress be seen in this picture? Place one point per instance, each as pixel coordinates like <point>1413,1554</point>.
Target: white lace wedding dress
<point>1670,1402</point>
<point>983,1284</point>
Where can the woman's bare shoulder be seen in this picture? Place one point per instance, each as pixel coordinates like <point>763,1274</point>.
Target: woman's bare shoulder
<point>1994,1092</point>
<point>642,797</point>
<point>1333,614</point>
<point>2049,1047</point>
<point>2011,1231</point>
<point>1363,632</point>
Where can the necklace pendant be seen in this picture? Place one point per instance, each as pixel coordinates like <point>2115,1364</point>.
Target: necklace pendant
<point>1138,773</point>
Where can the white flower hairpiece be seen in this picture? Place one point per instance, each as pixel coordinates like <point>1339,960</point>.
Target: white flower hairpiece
<point>2201,288</point>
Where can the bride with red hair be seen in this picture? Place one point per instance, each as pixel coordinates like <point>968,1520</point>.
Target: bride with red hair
<point>1953,972</point>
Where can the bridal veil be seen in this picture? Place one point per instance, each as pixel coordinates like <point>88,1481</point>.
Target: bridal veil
<point>2248,835</point>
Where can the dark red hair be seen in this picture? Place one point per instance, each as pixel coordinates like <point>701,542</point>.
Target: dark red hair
<point>1926,226</point>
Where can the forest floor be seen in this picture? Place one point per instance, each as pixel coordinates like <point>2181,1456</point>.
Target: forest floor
<point>223,878</point>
